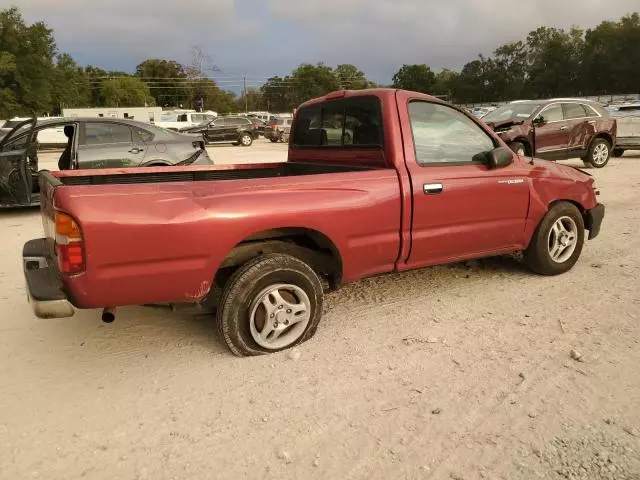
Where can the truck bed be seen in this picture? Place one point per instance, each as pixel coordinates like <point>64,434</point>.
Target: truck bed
<point>191,174</point>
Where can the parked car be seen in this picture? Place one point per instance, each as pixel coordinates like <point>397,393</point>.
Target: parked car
<point>628,138</point>
<point>91,143</point>
<point>279,130</point>
<point>564,128</point>
<point>186,120</point>
<point>419,183</point>
<point>236,130</point>
<point>259,125</point>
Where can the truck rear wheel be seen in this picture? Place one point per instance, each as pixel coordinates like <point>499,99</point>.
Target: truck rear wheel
<point>557,241</point>
<point>271,303</point>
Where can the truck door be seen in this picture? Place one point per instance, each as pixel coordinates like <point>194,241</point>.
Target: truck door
<point>17,152</point>
<point>215,130</point>
<point>461,208</point>
<point>109,145</point>
<point>552,132</point>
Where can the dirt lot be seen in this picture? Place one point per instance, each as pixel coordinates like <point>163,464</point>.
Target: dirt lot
<point>460,372</point>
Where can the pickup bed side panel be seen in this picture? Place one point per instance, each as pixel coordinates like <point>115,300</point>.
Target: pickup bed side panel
<point>163,242</point>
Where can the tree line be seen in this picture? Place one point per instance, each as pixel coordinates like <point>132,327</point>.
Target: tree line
<point>35,78</point>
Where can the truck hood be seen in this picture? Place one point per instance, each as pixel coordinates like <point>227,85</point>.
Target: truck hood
<point>567,171</point>
<point>503,125</point>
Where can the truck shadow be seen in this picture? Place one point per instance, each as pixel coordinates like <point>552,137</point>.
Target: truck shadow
<point>139,333</point>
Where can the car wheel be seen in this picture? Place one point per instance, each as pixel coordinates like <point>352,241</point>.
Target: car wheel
<point>246,140</point>
<point>271,303</point>
<point>557,241</point>
<point>618,152</point>
<point>599,153</point>
<point>519,148</point>
<point>273,140</point>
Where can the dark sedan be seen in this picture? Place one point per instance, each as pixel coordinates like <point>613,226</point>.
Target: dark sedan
<point>235,130</point>
<point>92,143</point>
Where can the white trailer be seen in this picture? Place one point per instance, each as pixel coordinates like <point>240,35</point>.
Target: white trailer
<point>141,114</point>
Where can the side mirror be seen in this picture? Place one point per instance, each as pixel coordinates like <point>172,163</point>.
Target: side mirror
<point>499,157</point>
<point>539,121</point>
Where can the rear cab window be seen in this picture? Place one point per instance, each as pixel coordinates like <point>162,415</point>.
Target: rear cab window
<point>343,123</point>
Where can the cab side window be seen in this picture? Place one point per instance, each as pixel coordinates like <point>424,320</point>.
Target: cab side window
<point>443,135</point>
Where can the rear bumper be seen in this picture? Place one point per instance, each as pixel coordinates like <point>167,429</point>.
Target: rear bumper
<point>594,220</point>
<point>45,289</point>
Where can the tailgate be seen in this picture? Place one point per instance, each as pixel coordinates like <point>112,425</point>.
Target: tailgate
<point>48,184</point>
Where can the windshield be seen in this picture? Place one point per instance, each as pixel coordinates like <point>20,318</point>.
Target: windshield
<point>513,111</point>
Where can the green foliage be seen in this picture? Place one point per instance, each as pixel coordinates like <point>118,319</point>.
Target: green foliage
<point>125,92</point>
<point>36,79</point>
<point>70,85</point>
<point>417,78</point>
<point>550,62</point>
<point>350,78</point>
<point>167,80</point>
<point>26,63</point>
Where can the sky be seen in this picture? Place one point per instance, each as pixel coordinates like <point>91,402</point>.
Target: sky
<point>262,38</point>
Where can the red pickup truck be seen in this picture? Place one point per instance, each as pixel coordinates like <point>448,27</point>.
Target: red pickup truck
<point>376,181</point>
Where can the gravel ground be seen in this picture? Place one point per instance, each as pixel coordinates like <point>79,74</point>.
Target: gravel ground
<point>455,372</point>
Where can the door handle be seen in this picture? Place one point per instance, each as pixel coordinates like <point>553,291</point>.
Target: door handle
<point>136,150</point>
<point>564,128</point>
<point>433,188</point>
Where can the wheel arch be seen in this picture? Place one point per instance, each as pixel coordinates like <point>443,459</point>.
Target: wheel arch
<point>310,245</point>
<point>604,136</point>
<point>575,203</point>
<point>156,163</point>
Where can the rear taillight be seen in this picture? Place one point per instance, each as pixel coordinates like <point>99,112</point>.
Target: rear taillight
<point>69,244</point>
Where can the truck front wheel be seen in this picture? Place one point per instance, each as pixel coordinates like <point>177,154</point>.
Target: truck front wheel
<point>271,303</point>
<point>557,241</point>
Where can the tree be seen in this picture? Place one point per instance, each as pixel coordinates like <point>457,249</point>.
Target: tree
<point>351,78</point>
<point>444,84</point>
<point>125,92</point>
<point>508,73</point>
<point>70,85</point>
<point>474,82</point>
<point>252,100</point>
<point>417,78</point>
<point>26,64</point>
<point>611,57</point>
<point>309,81</point>
<point>274,93</point>
<point>554,63</point>
<point>166,79</point>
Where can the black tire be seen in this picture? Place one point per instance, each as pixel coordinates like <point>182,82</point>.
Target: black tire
<point>246,140</point>
<point>273,139</point>
<point>244,288</point>
<point>519,147</point>
<point>590,159</point>
<point>618,152</point>
<point>537,255</point>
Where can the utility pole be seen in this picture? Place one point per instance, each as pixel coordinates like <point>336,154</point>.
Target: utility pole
<point>246,99</point>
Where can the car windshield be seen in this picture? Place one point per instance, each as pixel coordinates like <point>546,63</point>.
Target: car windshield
<point>513,111</point>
